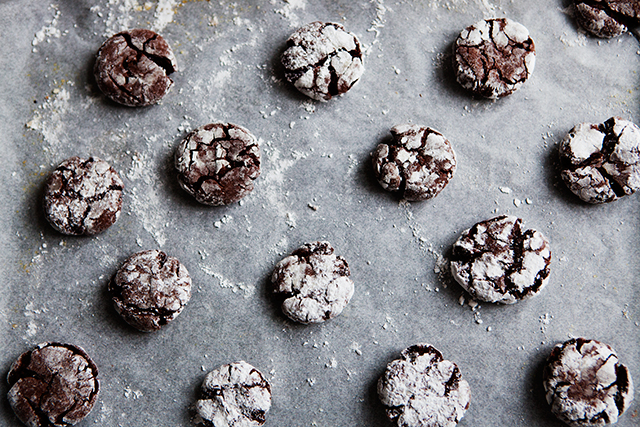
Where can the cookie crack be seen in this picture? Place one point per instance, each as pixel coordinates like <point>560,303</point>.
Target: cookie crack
<point>160,61</point>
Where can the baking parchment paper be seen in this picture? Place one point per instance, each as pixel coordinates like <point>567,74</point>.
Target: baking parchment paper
<point>316,184</point>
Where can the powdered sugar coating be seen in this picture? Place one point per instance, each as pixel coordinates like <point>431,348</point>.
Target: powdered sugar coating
<point>150,290</point>
<point>217,163</point>
<point>323,60</point>
<point>494,57</point>
<point>423,390</point>
<point>83,196</point>
<point>585,384</point>
<point>418,163</point>
<point>315,283</point>
<point>497,261</point>
<point>132,67</point>
<point>234,395</point>
<point>53,385</point>
<point>601,162</point>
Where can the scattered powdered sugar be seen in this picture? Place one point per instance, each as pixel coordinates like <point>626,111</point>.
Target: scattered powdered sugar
<point>119,15</point>
<point>377,25</point>
<point>30,312</point>
<point>48,119</point>
<point>246,290</point>
<point>273,179</point>
<point>575,39</point>
<point>144,194</point>
<point>427,248</point>
<point>164,14</point>
<point>288,11</point>
<point>129,393</point>
<point>49,30</point>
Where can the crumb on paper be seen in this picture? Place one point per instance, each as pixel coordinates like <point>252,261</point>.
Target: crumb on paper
<point>333,363</point>
<point>356,348</point>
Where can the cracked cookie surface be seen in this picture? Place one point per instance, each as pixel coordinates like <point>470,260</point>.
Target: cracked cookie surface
<point>150,290</point>
<point>83,196</point>
<point>217,163</point>
<point>417,164</point>
<point>234,395</point>
<point>315,283</point>
<point>585,384</point>
<point>422,389</point>
<point>53,385</point>
<point>601,162</point>
<point>132,67</point>
<point>494,57</point>
<point>497,261</point>
<point>323,60</point>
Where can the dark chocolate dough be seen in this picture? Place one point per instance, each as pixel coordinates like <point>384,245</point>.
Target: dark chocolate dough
<point>323,60</point>
<point>53,385</point>
<point>234,395</point>
<point>83,196</point>
<point>132,67</point>
<point>417,164</point>
<point>497,261</point>
<point>422,389</point>
<point>494,57</point>
<point>217,163</point>
<point>315,283</point>
<point>601,162</point>
<point>585,384</point>
<point>150,290</point>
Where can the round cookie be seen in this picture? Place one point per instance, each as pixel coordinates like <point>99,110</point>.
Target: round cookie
<point>315,283</point>
<point>83,196</point>
<point>150,290</point>
<point>417,164</point>
<point>323,60</point>
<point>494,57</point>
<point>497,261</point>
<point>422,389</point>
<point>53,385</point>
<point>217,163</point>
<point>234,395</point>
<point>601,162</point>
<point>585,384</point>
<point>133,66</point>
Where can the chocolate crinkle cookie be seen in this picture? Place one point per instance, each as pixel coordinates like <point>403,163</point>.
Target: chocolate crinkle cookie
<point>494,57</point>
<point>133,66</point>
<point>83,196</point>
<point>601,162</point>
<point>315,283</point>
<point>607,18</point>
<point>53,385</point>
<point>323,60</point>
<point>150,290</point>
<point>418,163</point>
<point>423,390</point>
<point>497,261</point>
<point>234,395</point>
<point>585,384</point>
<point>217,163</point>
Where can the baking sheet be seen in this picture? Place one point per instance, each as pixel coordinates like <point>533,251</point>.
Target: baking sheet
<point>316,183</point>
